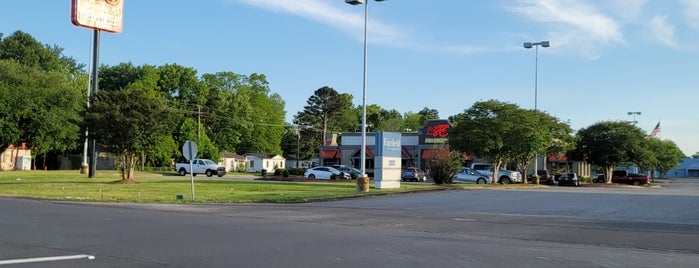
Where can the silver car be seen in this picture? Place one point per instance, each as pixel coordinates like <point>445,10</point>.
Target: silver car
<point>468,175</point>
<point>324,173</point>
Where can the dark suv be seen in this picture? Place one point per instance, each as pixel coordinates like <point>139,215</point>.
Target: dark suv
<point>545,177</point>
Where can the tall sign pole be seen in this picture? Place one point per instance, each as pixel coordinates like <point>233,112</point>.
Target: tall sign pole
<point>105,15</point>
<point>92,164</point>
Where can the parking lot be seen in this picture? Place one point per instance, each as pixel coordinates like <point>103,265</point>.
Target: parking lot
<point>613,226</point>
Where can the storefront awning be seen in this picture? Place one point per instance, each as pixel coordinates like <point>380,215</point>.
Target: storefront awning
<point>369,153</point>
<point>406,152</point>
<point>558,158</point>
<point>330,154</point>
<point>429,153</point>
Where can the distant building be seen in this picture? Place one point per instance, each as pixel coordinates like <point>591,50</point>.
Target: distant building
<point>231,161</point>
<point>688,168</point>
<point>16,158</point>
<point>416,147</point>
<point>269,162</point>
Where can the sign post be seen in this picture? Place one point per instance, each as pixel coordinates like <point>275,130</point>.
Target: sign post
<point>387,169</point>
<point>105,15</point>
<point>189,150</point>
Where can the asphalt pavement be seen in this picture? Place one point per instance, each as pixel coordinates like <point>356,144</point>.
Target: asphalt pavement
<point>547,227</point>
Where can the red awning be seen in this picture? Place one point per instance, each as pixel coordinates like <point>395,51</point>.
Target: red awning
<point>369,153</point>
<point>330,154</point>
<point>406,152</point>
<point>428,153</point>
<point>558,158</point>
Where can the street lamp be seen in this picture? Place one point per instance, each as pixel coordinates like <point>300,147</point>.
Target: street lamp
<point>529,45</point>
<point>634,116</point>
<point>366,19</point>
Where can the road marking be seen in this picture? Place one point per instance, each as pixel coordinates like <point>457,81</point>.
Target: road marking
<point>45,259</point>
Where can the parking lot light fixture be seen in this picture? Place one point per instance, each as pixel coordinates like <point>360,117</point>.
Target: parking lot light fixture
<point>536,45</point>
<point>364,83</point>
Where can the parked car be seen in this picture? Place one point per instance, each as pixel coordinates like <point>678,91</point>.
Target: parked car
<point>468,175</point>
<point>413,174</point>
<point>504,176</point>
<point>348,170</point>
<point>545,177</point>
<point>599,178</point>
<point>324,173</point>
<point>569,179</point>
<point>623,176</point>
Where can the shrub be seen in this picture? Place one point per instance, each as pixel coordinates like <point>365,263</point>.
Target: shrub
<point>353,176</point>
<point>296,171</point>
<point>264,173</point>
<point>333,177</point>
<point>277,172</point>
<point>240,168</point>
<point>444,166</point>
<point>285,173</point>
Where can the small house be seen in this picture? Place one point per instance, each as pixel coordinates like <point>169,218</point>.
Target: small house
<point>231,161</point>
<point>258,162</point>
<point>16,158</point>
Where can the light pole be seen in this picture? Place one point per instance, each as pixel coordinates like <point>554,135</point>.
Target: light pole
<point>363,149</point>
<point>529,45</point>
<point>634,116</point>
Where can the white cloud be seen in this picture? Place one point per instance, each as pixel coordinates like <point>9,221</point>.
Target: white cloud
<point>348,19</point>
<point>574,24</point>
<point>691,12</point>
<point>663,32</point>
<point>627,10</point>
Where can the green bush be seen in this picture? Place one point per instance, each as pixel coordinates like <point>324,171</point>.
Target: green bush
<point>353,176</point>
<point>277,172</point>
<point>443,167</point>
<point>333,177</point>
<point>285,173</point>
<point>264,173</point>
<point>296,171</point>
<point>240,168</point>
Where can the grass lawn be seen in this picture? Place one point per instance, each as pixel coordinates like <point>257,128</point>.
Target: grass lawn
<point>154,188</point>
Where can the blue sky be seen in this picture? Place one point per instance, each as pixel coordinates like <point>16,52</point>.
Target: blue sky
<point>607,58</point>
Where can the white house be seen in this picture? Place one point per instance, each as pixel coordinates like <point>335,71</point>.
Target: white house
<point>258,162</point>
<point>231,161</point>
<point>16,158</point>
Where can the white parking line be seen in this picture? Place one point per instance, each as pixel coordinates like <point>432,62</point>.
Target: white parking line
<point>45,259</point>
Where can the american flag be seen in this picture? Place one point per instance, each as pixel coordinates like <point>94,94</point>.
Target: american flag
<point>655,131</point>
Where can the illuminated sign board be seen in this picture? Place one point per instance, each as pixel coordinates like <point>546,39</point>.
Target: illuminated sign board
<point>107,15</point>
<point>435,132</point>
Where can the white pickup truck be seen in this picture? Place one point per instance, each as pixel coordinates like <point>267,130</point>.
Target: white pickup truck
<point>504,176</point>
<point>201,166</point>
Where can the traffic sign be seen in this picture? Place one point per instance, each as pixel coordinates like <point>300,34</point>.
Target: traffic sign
<point>189,150</point>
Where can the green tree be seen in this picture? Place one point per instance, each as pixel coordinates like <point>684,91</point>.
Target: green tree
<point>324,106</point>
<point>415,121</point>
<point>229,109</point>
<point>190,130</point>
<point>41,108</point>
<point>695,155</point>
<point>141,118</point>
<point>537,134</point>
<point>266,117</point>
<point>484,130</point>
<point>608,144</point>
<point>24,49</point>
<point>662,156</point>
